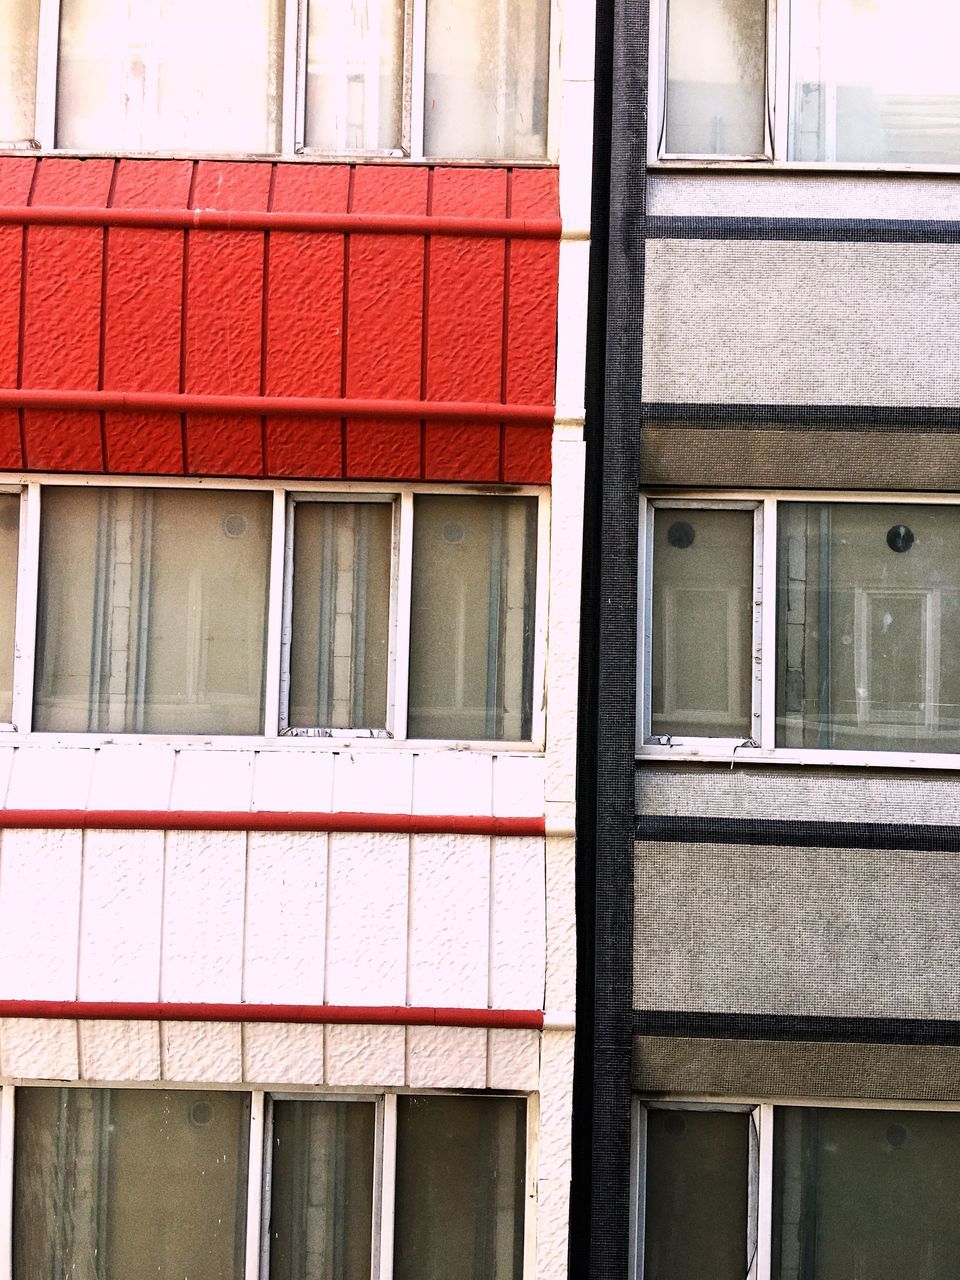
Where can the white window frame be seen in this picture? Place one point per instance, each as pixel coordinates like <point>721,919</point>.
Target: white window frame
<point>284,497</point>
<point>761,747</point>
<point>292,94</point>
<point>259,1168</point>
<point>761,1178</point>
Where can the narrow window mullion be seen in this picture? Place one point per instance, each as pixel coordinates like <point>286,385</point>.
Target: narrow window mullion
<point>398,694</point>
<point>778,71</point>
<point>541,601</point>
<point>418,62</point>
<point>532,1150</point>
<point>382,1261</point>
<point>47,51</point>
<point>7,1093</point>
<point>294,76</point>
<point>768,626</point>
<point>645,637</point>
<point>255,1192</point>
<point>765,1193</point>
<point>276,616</point>
<point>26,624</point>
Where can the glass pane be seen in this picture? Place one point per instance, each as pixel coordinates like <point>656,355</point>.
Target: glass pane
<point>170,75</point>
<point>471,642</point>
<point>354,75</point>
<point>486,79</point>
<point>152,610</point>
<point>868,608</point>
<point>19,24</point>
<point>124,1184</point>
<point>9,546</point>
<point>716,73</point>
<point>341,614</point>
<point>460,1176</point>
<point>702,623</point>
<point>321,1199</point>
<point>865,1193</point>
<point>696,1195</point>
<point>873,80</point>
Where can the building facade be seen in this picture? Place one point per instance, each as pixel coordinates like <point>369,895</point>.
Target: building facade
<point>771,748</point>
<point>291,515</point>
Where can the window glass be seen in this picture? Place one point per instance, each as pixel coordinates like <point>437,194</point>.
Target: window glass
<point>123,1184</point>
<point>460,1188</point>
<point>873,82</point>
<point>865,1193</point>
<point>471,642</point>
<point>696,1197</point>
<point>868,626</point>
<point>19,24</point>
<point>486,78</point>
<point>716,71</point>
<point>341,614</point>
<point>152,610</point>
<point>702,622</point>
<point>354,75</point>
<point>170,75</point>
<point>9,546</point>
<point>321,1198</point>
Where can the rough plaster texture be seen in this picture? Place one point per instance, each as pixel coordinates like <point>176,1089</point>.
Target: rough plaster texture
<point>802,195</point>
<point>114,1050</point>
<point>284,1052</point>
<point>446,1057</point>
<point>201,1051</point>
<point>366,1055</point>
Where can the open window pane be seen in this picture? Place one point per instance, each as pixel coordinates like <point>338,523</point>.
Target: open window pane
<point>19,24</point>
<point>354,77</point>
<point>875,82</point>
<point>486,78</point>
<point>868,615</point>
<point>170,75</point>
<point>865,1193</point>
<point>321,1202</point>
<point>702,623</point>
<point>152,610</point>
<point>697,1218</point>
<point>9,547</point>
<point>471,642</point>
<point>341,614</point>
<point>460,1188</point>
<point>716,73</point>
<point>123,1184</point>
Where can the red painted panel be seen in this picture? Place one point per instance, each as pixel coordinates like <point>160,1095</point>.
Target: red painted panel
<point>535,194</point>
<point>526,454</point>
<point>62,441</point>
<point>144,444</point>
<point>462,451</point>
<point>308,188</point>
<point>152,184</point>
<point>382,450</point>
<point>11,457</point>
<point>532,322</point>
<point>61,180</point>
<point>228,446</point>
<point>11,253</point>
<point>309,448</point>
<point>16,175</point>
<point>143,301</point>
<point>229,185</point>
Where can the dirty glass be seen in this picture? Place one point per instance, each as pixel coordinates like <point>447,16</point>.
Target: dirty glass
<point>19,26</point>
<point>9,546</point>
<point>354,81</point>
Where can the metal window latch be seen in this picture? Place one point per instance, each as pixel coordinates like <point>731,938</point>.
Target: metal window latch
<point>747,742</point>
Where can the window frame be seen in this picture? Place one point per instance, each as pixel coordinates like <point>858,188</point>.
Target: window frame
<point>291,98</point>
<point>761,749</point>
<point>285,496</point>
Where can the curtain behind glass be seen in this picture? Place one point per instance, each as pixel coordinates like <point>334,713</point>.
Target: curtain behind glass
<point>486,78</point>
<point>9,546</point>
<point>460,1188</point>
<point>152,610</point>
<point>354,89</point>
<point>170,75</point>
<point>19,23</point>
<point>123,1184</point>
<point>471,640</point>
<point>341,614</point>
<point>321,1199</point>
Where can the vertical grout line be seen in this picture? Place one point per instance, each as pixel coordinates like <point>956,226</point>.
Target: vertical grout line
<point>191,196</point>
<point>344,320</point>
<point>411,850</point>
<point>161,1038</point>
<point>264,318</point>
<point>101,354</point>
<point>246,923</point>
<point>425,324</point>
<point>504,336</point>
<point>21,331</point>
<point>491,915</point>
<point>327,917</point>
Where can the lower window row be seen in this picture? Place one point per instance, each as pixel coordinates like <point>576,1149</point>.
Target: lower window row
<point>796,1192</point>
<point>125,1184</point>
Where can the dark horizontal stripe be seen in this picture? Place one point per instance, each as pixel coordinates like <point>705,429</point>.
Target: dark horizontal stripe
<point>806,417</point>
<point>795,833</point>
<point>816,230</point>
<point>792,1027</point>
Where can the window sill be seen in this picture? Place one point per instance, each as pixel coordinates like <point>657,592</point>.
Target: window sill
<point>732,752</point>
<point>340,741</point>
<point>10,149</point>
<point>725,164</point>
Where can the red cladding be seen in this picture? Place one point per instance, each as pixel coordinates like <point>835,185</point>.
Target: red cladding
<point>423,313</point>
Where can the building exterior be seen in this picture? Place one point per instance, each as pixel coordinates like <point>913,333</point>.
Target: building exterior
<point>290,515</point>
<point>771,748</point>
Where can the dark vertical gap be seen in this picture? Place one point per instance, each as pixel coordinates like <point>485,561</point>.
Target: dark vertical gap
<point>505,326</point>
<point>264,318</point>
<point>191,197</point>
<point>21,330</point>
<point>425,326</point>
<point>101,355</point>
<point>344,320</point>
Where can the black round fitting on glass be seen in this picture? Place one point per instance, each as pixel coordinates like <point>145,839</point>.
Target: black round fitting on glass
<point>900,538</point>
<point>681,535</point>
<point>896,1135</point>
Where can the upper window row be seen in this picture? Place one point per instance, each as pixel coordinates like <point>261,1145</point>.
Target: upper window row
<point>808,627</point>
<point>808,81</point>
<point>205,611</point>
<point>454,78</point>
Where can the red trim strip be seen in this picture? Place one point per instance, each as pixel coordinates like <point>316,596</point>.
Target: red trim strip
<point>217,820</point>
<point>254,220</point>
<point>161,1011</point>
<point>299,406</point>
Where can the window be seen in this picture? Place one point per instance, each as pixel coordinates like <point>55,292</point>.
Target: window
<point>798,81</point>
<point>793,627</point>
<point>172,1183</point>
<point>206,610</point>
<point>377,77</point>
<point>782,1192</point>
